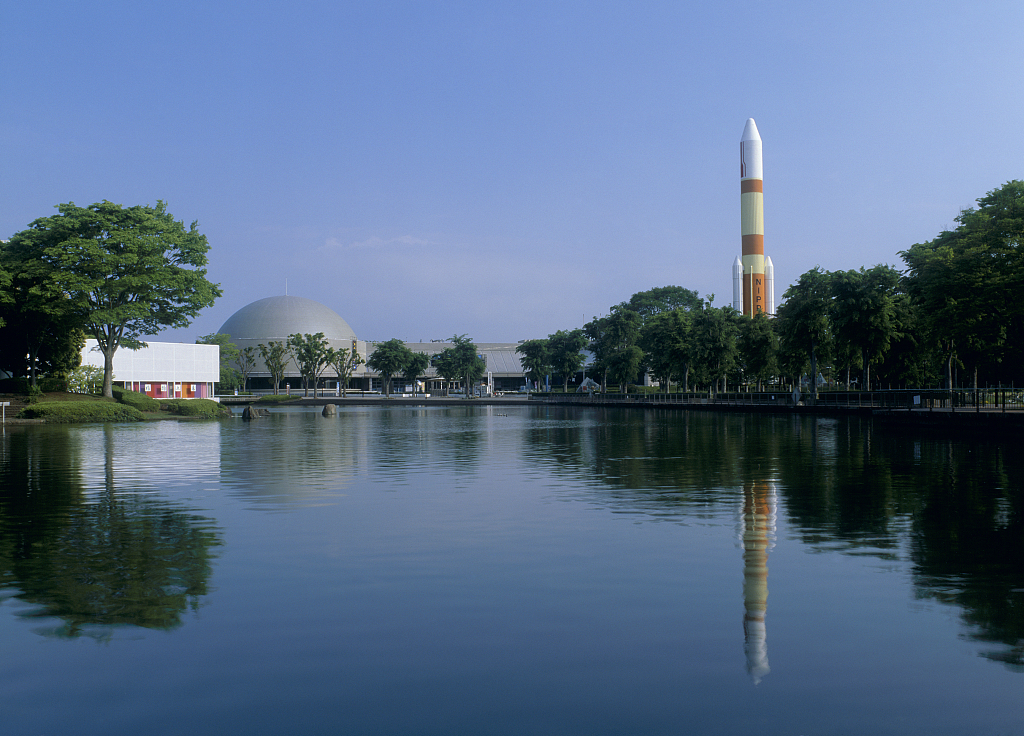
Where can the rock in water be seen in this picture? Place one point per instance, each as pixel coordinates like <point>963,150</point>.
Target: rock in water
<point>330,410</point>
<point>250,413</point>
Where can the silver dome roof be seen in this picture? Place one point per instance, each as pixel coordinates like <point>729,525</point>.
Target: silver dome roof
<point>277,317</point>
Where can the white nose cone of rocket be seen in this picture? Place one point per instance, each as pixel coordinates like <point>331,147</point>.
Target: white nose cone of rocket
<point>737,285</point>
<point>769,281</point>
<point>750,152</point>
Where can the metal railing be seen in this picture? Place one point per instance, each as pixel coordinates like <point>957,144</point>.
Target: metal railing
<point>962,399</point>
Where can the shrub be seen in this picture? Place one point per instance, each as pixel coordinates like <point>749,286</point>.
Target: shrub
<point>196,408</point>
<point>135,399</point>
<point>277,398</point>
<point>65,412</point>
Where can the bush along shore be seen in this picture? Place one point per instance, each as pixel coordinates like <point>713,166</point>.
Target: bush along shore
<point>127,406</point>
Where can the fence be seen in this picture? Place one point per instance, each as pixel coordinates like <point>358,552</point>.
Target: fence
<point>989,399</point>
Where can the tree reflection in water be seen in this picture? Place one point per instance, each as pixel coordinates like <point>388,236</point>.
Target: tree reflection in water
<point>953,505</point>
<point>94,560</point>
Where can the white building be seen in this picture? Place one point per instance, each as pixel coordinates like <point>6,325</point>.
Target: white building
<point>163,370</point>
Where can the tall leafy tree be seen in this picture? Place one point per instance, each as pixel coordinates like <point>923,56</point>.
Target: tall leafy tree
<point>565,349</point>
<point>667,343</point>
<point>40,325</point>
<point>461,361</point>
<point>803,319</point>
<point>662,299</point>
<point>246,362</point>
<point>276,356</point>
<point>312,355</point>
<point>966,282</point>
<point>863,313</point>
<point>133,271</point>
<point>344,361</point>
<point>389,359</point>
<point>229,376</point>
<point>759,348</point>
<point>715,332</point>
<point>535,359</point>
<point>415,367</point>
<point>613,341</point>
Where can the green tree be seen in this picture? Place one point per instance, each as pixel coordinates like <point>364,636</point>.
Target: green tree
<point>613,341</point>
<point>42,325</point>
<point>759,348</point>
<point>565,349</point>
<point>415,367</point>
<point>534,357</point>
<point>344,361</point>
<point>132,271</point>
<point>389,359</point>
<point>460,361</point>
<point>662,299</point>
<point>312,354</point>
<point>276,356</point>
<point>668,347</point>
<point>715,333</point>
<point>965,283</point>
<point>246,362</point>
<point>228,357</point>
<point>803,319</point>
<point>863,314</point>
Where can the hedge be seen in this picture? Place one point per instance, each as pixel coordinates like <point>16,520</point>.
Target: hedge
<point>66,412</point>
<point>195,408</point>
<point>135,399</point>
<point>277,398</point>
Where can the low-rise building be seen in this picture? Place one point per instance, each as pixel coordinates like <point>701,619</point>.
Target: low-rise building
<point>163,370</point>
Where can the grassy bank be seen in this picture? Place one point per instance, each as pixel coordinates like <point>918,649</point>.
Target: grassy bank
<point>126,406</point>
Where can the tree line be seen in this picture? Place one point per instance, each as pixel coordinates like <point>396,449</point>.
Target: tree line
<point>951,317</point>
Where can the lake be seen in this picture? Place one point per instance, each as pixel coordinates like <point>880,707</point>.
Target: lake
<point>510,570</point>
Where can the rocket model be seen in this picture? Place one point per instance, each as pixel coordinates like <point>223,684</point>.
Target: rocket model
<point>752,283</point>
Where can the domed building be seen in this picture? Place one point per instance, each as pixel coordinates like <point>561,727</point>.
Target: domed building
<point>278,317</point>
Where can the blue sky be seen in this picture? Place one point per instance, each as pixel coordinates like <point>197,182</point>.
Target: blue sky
<point>505,170</point>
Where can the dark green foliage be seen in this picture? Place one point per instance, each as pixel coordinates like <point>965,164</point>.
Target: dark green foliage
<point>535,359</point>
<point>389,359</point>
<point>966,285</point>
<point>135,399</point>
<point>276,399</point>
<point>661,299</point>
<point>229,356</point>
<point>46,384</point>
<point>415,367</point>
<point>67,412</point>
<point>275,357</point>
<point>461,362</point>
<point>128,271</point>
<point>565,350</point>
<point>313,354</point>
<point>205,408</point>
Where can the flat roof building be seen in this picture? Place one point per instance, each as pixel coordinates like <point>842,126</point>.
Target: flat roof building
<point>163,370</point>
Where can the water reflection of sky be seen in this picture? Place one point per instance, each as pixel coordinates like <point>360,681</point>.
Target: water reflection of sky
<point>467,570</point>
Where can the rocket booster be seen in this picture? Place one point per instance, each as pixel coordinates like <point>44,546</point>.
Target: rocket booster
<point>737,284</point>
<point>752,221</point>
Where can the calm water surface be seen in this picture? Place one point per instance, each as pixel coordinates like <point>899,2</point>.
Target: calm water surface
<point>522,570</point>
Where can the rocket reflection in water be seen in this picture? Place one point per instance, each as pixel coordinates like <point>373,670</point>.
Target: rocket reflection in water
<point>757,534</point>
